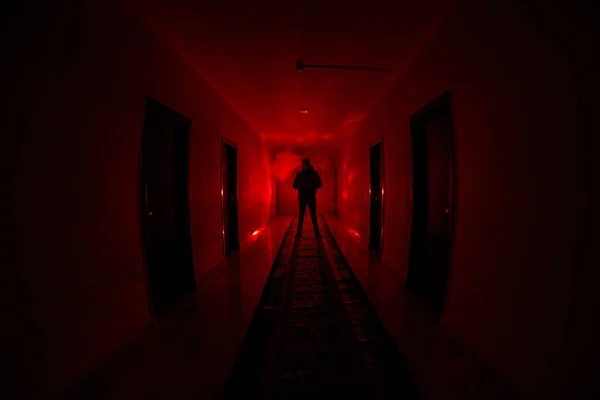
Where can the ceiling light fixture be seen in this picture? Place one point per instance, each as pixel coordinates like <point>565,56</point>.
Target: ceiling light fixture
<point>301,66</point>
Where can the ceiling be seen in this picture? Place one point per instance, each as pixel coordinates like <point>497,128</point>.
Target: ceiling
<point>247,51</point>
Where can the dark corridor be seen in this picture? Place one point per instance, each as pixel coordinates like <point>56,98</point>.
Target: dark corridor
<point>149,160</point>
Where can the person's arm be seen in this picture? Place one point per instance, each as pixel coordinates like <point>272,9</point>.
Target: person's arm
<point>318,182</point>
<point>297,182</point>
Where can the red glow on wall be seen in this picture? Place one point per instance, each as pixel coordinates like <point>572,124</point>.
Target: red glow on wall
<point>285,163</point>
<point>347,186</point>
<point>351,176</point>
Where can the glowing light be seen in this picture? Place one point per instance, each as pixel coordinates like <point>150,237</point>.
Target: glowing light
<point>221,192</point>
<point>304,111</point>
<point>382,191</point>
<point>254,235</point>
<point>352,232</point>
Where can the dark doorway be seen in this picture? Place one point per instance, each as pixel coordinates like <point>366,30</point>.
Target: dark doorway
<point>335,192</point>
<point>165,204</point>
<point>431,236</point>
<point>229,204</point>
<point>376,193</point>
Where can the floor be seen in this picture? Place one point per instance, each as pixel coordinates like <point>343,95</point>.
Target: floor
<point>315,333</point>
<point>198,348</point>
<point>440,364</point>
<point>189,352</point>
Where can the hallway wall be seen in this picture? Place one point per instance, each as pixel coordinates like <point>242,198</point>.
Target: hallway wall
<point>519,210</point>
<point>78,97</point>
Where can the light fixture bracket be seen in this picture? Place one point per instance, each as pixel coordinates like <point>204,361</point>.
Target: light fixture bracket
<point>300,66</point>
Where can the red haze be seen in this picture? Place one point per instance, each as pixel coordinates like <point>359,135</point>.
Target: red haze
<point>285,163</point>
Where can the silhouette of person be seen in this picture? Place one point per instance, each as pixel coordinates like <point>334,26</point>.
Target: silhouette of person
<point>307,182</point>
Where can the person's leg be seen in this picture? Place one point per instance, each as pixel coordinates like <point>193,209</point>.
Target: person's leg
<point>312,208</point>
<point>302,207</point>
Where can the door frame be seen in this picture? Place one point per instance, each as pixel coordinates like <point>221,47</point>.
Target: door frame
<point>382,177</point>
<point>443,100</point>
<point>149,103</point>
<point>224,235</point>
<point>335,191</point>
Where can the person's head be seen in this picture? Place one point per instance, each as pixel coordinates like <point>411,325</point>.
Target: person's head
<point>305,163</point>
